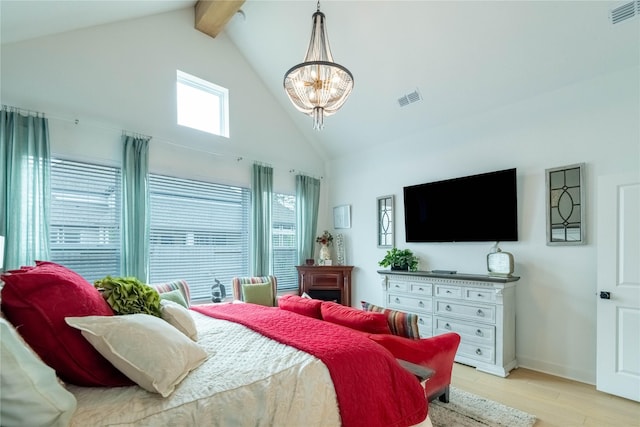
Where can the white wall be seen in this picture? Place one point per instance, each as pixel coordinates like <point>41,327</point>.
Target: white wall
<point>123,76</point>
<point>596,122</point>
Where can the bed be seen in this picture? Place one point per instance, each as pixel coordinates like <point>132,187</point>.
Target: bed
<point>245,379</point>
<point>249,380</point>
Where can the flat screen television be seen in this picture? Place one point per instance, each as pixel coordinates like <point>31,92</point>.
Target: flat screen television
<point>475,208</point>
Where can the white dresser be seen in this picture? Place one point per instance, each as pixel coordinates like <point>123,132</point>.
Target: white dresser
<point>481,309</point>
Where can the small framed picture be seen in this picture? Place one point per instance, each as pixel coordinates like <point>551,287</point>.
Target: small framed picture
<point>342,216</point>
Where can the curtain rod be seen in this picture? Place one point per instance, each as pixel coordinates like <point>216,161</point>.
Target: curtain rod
<point>299,172</point>
<point>136,135</point>
<point>76,121</point>
<point>19,110</point>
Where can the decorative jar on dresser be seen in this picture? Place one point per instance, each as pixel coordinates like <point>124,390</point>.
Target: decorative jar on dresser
<point>480,308</point>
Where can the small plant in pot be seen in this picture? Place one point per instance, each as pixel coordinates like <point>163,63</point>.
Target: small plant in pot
<point>400,259</point>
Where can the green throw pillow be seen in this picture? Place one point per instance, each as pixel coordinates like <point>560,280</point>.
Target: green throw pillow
<point>128,295</point>
<point>258,293</point>
<point>175,296</point>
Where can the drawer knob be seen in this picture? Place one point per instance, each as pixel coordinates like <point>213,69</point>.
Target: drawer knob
<point>421,321</point>
<point>448,291</point>
<point>478,352</point>
<point>397,300</point>
<point>447,326</point>
<point>480,295</point>
<point>480,313</point>
<point>420,289</point>
<point>397,286</point>
<point>479,333</point>
<point>448,308</point>
<point>420,304</point>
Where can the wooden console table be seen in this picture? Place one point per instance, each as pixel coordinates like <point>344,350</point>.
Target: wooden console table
<point>326,282</point>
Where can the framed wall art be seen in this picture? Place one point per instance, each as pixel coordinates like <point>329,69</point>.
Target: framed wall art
<point>342,216</point>
<point>565,204</point>
<point>386,221</point>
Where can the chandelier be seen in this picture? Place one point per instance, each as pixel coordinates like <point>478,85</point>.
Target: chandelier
<point>318,86</point>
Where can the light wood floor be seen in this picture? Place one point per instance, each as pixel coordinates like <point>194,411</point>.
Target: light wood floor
<point>556,402</point>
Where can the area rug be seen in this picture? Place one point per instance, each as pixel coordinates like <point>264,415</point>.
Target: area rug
<point>468,410</point>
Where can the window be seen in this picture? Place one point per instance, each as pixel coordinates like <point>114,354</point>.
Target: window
<point>199,232</point>
<point>85,218</point>
<point>285,252</point>
<point>202,105</point>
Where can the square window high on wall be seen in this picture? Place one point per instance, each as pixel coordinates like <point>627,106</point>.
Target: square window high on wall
<point>202,105</point>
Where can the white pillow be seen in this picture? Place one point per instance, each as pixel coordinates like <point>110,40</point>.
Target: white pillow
<point>145,348</point>
<point>31,394</point>
<point>179,317</point>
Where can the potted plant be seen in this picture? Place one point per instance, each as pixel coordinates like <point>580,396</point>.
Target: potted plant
<point>400,259</point>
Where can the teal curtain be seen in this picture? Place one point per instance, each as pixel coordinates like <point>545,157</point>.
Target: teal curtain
<point>135,207</point>
<point>24,187</point>
<point>307,203</point>
<point>261,202</point>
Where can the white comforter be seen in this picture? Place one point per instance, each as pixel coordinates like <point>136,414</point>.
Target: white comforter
<point>248,380</point>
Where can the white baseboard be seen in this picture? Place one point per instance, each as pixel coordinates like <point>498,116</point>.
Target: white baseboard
<point>581,375</point>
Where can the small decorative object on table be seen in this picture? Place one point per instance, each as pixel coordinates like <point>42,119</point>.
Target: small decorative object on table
<point>499,263</point>
<point>325,240</point>
<point>340,256</point>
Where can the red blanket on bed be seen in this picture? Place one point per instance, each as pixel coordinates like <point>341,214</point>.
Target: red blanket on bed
<point>371,387</point>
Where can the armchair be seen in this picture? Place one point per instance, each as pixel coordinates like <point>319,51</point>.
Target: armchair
<point>436,353</point>
<point>238,282</point>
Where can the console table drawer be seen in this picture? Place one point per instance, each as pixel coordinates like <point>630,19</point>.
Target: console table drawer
<point>405,303</point>
<point>483,313</point>
<point>481,334</point>
<point>448,291</point>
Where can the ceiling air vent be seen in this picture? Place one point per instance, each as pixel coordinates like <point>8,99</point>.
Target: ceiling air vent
<point>409,98</point>
<point>624,12</point>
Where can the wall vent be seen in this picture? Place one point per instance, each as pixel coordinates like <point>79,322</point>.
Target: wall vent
<point>624,12</point>
<point>409,98</point>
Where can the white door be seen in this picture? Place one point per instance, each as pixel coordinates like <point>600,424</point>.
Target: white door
<point>618,307</point>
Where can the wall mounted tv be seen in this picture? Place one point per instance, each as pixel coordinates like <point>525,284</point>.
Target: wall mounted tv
<point>475,208</point>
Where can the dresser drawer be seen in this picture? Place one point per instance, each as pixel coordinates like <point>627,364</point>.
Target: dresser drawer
<point>445,291</point>
<point>477,352</point>
<point>478,312</point>
<point>481,334</point>
<point>425,326</point>
<point>421,289</point>
<point>398,285</point>
<point>486,295</point>
<point>405,303</point>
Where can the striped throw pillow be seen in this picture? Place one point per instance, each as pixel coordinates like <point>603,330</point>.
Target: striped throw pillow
<point>401,323</point>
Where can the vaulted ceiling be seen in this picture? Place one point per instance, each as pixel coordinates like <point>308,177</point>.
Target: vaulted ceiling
<point>461,57</point>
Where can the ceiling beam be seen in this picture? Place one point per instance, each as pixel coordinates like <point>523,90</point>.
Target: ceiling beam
<point>213,15</point>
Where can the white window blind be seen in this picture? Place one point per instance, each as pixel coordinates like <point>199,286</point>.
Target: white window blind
<point>199,232</point>
<point>85,218</point>
<point>285,251</point>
